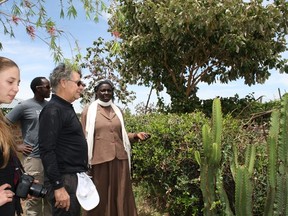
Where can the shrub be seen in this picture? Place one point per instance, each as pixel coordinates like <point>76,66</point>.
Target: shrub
<point>165,163</point>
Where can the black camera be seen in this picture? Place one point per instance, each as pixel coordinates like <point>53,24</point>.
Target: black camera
<point>27,186</point>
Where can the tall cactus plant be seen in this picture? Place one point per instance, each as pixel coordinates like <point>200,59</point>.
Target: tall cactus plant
<point>209,162</point>
<point>277,197</point>
<point>242,174</point>
<point>272,143</point>
<point>210,167</point>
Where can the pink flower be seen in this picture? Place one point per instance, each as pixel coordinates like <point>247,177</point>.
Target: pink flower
<point>31,31</point>
<point>15,19</point>
<point>51,30</point>
<point>116,34</point>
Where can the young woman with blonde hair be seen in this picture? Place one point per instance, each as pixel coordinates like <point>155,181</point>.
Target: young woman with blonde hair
<point>9,163</point>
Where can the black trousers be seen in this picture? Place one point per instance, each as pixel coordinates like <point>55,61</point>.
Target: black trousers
<point>70,183</point>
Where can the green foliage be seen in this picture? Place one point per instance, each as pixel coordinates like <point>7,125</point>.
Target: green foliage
<point>165,164</point>
<point>102,65</point>
<point>175,45</point>
<point>252,110</point>
<point>249,179</point>
<point>242,108</point>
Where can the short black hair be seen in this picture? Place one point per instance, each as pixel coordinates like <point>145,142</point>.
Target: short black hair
<point>37,81</point>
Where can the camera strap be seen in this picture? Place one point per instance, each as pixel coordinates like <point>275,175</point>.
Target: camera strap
<point>18,168</point>
<point>18,171</point>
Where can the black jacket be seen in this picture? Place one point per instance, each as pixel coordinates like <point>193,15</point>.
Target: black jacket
<point>62,144</point>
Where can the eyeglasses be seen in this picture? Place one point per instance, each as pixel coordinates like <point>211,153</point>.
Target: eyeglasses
<point>78,83</point>
<point>44,86</point>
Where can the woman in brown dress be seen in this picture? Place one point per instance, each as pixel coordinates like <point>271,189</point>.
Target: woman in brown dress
<point>109,153</point>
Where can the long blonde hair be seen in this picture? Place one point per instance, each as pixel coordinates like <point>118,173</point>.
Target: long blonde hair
<point>6,140</point>
<point>6,136</point>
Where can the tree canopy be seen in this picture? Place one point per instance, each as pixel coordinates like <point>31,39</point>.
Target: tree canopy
<point>176,44</point>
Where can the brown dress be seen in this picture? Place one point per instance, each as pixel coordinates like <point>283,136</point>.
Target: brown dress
<point>110,169</point>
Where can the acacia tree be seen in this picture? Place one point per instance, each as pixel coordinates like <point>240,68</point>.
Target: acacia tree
<point>177,44</point>
<point>33,17</point>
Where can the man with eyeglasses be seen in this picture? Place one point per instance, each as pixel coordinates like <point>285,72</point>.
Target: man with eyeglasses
<point>27,114</point>
<point>63,147</point>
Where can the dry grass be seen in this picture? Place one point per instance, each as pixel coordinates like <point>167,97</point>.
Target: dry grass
<point>143,203</point>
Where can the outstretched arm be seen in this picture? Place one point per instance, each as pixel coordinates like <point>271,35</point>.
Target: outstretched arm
<point>140,136</point>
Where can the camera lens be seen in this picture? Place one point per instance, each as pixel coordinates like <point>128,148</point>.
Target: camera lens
<point>37,190</point>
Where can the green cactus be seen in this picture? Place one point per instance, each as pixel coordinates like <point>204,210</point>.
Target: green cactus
<point>272,143</point>
<point>210,170</point>
<point>210,177</point>
<point>242,175</point>
<point>277,144</point>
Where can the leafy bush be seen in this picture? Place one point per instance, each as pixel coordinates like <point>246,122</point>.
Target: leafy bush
<point>166,167</point>
<point>166,161</point>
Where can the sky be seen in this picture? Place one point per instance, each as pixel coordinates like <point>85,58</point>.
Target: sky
<point>34,59</point>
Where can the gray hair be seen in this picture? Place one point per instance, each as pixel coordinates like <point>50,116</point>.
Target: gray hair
<point>62,71</point>
<point>101,82</point>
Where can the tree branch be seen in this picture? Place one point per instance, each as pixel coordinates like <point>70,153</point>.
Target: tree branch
<point>3,1</point>
<point>171,72</point>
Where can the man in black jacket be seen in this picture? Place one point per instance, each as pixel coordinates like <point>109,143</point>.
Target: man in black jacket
<point>62,144</point>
